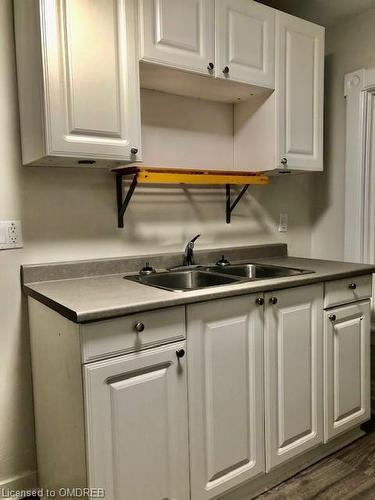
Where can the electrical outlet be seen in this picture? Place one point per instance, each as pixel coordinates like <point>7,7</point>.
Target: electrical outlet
<point>283,224</point>
<point>10,234</point>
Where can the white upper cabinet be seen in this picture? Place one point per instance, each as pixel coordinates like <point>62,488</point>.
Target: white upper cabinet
<point>229,39</point>
<point>300,87</point>
<point>178,33</point>
<point>293,372</point>
<point>226,396</point>
<point>245,42</point>
<point>284,131</point>
<point>78,81</point>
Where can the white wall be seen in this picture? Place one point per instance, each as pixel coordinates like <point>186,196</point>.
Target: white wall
<point>349,46</point>
<point>68,214</point>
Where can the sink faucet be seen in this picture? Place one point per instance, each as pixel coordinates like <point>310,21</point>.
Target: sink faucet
<point>189,252</point>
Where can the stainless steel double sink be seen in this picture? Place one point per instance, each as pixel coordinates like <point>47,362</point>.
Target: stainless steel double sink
<point>200,277</point>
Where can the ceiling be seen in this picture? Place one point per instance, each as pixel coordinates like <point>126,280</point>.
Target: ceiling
<point>324,12</point>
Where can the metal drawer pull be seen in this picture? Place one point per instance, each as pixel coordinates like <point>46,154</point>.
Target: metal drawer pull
<point>139,327</point>
<point>273,300</point>
<point>332,317</point>
<point>180,353</point>
<point>259,301</point>
<point>352,286</point>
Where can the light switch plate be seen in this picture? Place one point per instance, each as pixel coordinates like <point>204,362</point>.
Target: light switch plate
<point>283,224</point>
<point>10,234</point>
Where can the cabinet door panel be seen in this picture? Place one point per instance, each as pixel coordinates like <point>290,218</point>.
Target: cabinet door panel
<point>136,407</point>
<point>300,82</point>
<point>91,78</point>
<point>178,33</point>
<point>347,368</point>
<point>294,363</point>
<point>225,394</point>
<point>245,42</point>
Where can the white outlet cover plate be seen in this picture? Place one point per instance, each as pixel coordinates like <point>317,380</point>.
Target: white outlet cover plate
<point>283,225</point>
<point>10,234</point>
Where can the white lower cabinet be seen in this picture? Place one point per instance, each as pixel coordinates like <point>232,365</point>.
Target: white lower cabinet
<point>347,362</point>
<point>226,399</point>
<point>136,410</point>
<point>293,372</point>
<point>258,382</point>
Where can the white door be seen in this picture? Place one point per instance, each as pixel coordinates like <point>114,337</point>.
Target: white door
<point>293,372</point>
<point>347,368</point>
<point>300,86</point>
<point>136,410</point>
<point>91,78</point>
<point>245,42</point>
<point>178,33</point>
<point>226,398</point>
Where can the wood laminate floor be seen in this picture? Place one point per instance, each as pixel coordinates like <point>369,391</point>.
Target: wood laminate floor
<point>347,474</point>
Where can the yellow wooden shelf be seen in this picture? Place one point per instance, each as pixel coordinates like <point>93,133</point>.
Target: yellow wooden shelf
<point>160,175</point>
<point>156,175</point>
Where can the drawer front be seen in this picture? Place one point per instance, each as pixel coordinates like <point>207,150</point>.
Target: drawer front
<point>347,290</point>
<point>131,333</point>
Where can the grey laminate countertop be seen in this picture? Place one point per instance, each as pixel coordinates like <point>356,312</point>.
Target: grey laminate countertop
<point>100,297</point>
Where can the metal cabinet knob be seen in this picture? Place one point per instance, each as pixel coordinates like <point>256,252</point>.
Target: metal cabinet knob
<point>332,317</point>
<point>139,327</point>
<point>352,286</point>
<point>134,151</point>
<point>259,301</point>
<point>273,300</point>
<point>180,353</point>
<point>210,66</point>
<point>283,161</point>
<point>226,70</point>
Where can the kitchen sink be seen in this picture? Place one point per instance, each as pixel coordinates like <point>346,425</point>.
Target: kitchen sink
<point>257,271</point>
<point>205,276</point>
<point>183,281</point>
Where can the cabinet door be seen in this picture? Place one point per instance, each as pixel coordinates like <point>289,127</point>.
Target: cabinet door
<point>91,78</point>
<point>300,84</point>
<point>225,373</point>
<point>347,367</point>
<point>245,42</point>
<point>293,368</point>
<point>136,410</point>
<point>178,33</point>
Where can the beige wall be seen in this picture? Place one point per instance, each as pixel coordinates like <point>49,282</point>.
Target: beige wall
<point>70,214</point>
<point>349,46</point>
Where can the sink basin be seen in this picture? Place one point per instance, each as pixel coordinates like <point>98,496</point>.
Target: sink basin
<point>203,277</point>
<point>257,271</point>
<point>183,281</point>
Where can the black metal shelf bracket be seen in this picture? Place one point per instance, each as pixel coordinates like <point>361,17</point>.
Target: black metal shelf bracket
<point>122,203</point>
<point>123,199</point>
<point>229,205</point>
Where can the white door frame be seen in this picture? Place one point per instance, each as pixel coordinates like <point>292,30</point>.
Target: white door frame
<point>359,173</point>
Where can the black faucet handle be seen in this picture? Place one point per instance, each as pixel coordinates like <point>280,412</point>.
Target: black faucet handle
<point>195,238</point>
<point>223,262</point>
<point>189,252</point>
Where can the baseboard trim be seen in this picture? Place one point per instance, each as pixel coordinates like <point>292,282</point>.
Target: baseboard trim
<point>17,487</point>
